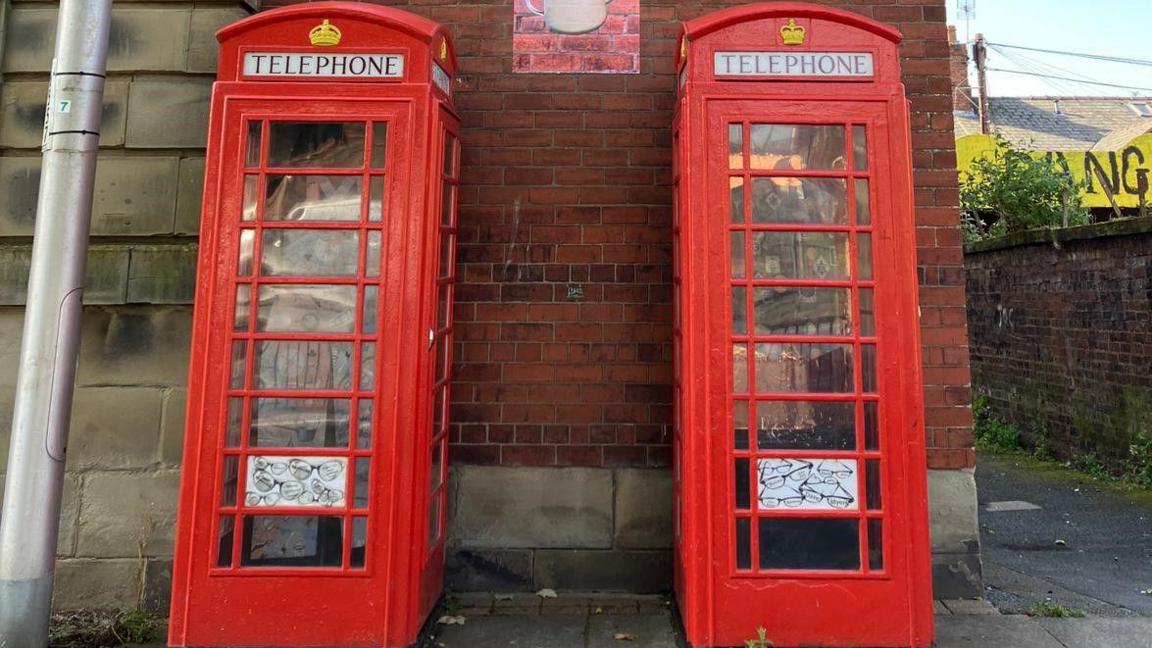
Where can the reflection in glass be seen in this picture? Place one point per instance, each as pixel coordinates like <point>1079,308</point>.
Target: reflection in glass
<point>808,201</point>
<point>860,147</point>
<point>876,544</point>
<point>224,541</point>
<point>360,490</point>
<point>447,242</point>
<point>804,368</point>
<point>304,253</point>
<point>803,311</point>
<point>448,206</point>
<point>367,365</point>
<point>804,543</point>
<point>738,255</point>
<point>230,478</point>
<point>292,541</point>
<point>251,197</point>
<point>868,368</point>
<point>235,422</point>
<point>439,405</point>
<point>736,198</point>
<point>434,476</point>
<point>743,543</point>
<point>796,147</point>
<point>359,541</point>
<point>299,423</point>
<point>740,368</point>
<point>372,255</point>
<point>867,312</point>
<point>740,424</point>
<point>243,299</point>
<point>379,144</point>
<point>739,310</point>
<point>312,198</point>
<point>805,425</point>
<point>252,146</point>
<point>800,255</point>
<point>364,426</point>
<point>303,365</point>
<point>864,256</point>
<point>434,521</point>
<point>316,145</point>
<point>442,361</point>
<point>303,308</point>
<point>376,199</point>
<point>444,300</point>
<point>743,484</point>
<point>863,202</point>
<point>239,356</point>
<point>872,485</point>
<point>735,146</point>
<point>247,251</point>
<point>371,297</point>
<point>449,155</point>
<point>871,425</point>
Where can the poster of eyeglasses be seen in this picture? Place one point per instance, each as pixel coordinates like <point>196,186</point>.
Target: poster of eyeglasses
<point>807,484</point>
<point>296,481</point>
<point>576,36</point>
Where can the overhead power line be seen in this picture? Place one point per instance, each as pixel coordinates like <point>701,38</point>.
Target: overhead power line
<point>1063,78</point>
<point>1095,57</point>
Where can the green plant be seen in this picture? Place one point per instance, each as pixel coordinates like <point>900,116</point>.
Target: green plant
<point>1055,610</point>
<point>1089,463</point>
<point>1012,191</point>
<point>761,640</point>
<point>1140,460</point>
<point>991,433</point>
<point>104,628</point>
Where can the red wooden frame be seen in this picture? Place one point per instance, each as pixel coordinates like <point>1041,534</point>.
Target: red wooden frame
<point>384,601</point>
<point>722,601</point>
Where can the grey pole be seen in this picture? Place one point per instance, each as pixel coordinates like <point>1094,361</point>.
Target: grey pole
<point>30,518</point>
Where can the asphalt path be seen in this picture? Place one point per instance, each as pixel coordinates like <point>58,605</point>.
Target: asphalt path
<point>1088,546</point>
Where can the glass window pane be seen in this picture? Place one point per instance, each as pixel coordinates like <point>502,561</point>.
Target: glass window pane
<point>448,206</point>
<point>803,311</point>
<point>449,154</point>
<point>804,368</point>
<point>743,496</point>
<point>364,427</point>
<point>243,306</point>
<point>230,476</point>
<point>235,422</point>
<point>868,368</point>
<point>808,201</point>
<point>805,425</point>
<point>871,425</point>
<point>252,147</point>
<point>739,368</point>
<point>867,312</point>
<point>796,147</point>
<point>443,361</point>
<point>445,300</point>
<point>224,539</point>
<point>735,146</point>
<point>447,243</point>
<point>860,148</point>
<point>876,545</point>
<point>299,422</point>
<point>872,484</point>
<point>743,543</point>
<point>736,198</point>
<point>371,301</point>
<point>312,198</point>
<point>738,255</point>
<point>247,251</point>
<point>359,542</point>
<point>251,197</point>
<point>304,253</point>
<point>807,484</point>
<point>360,490</point>
<point>367,365</point>
<point>302,308</point>
<point>316,145</point>
<point>863,203</point>
<point>439,409</point>
<point>292,541</point>
<point>802,543</point>
<point>434,521</point>
<point>239,356</point>
<point>800,255</point>
<point>376,200</point>
<point>740,424</point>
<point>379,144</point>
<point>864,256</point>
<point>296,481</point>
<point>303,365</point>
<point>434,476</point>
<point>372,255</point>
<point>739,310</point>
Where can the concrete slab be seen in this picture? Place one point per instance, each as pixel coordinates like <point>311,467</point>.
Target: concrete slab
<point>496,631</point>
<point>1011,505</point>
<point>987,631</point>
<point>969,606</point>
<point>635,631</point>
<point>1094,632</point>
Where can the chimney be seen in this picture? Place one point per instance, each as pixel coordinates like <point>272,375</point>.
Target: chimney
<point>961,89</point>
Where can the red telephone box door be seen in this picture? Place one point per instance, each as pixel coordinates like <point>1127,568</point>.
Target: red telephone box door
<point>801,318</point>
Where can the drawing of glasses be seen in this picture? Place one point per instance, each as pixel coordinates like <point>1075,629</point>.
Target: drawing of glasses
<point>840,499</point>
<point>790,501</point>
<point>836,469</point>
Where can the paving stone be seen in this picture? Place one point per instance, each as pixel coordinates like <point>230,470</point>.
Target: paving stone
<point>90,583</point>
<point>938,607</point>
<point>107,274</point>
<point>643,630</point>
<point>128,514</point>
<point>501,507</point>
<point>135,346</point>
<point>969,606</point>
<point>168,112</point>
<point>1097,632</point>
<point>115,428</point>
<point>988,631</point>
<point>631,571</point>
<point>493,570</point>
<point>189,195</point>
<point>516,604</point>
<point>497,631</point>
<point>162,274</point>
<point>22,113</point>
<point>1011,506</point>
<point>172,426</point>
<point>472,603</point>
<point>202,45</point>
<point>643,509</point>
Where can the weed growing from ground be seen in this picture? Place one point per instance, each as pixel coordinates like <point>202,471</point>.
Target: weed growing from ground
<point>1055,611</point>
<point>992,433</point>
<point>761,640</point>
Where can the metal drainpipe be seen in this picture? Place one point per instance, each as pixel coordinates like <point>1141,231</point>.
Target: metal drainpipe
<point>47,369</point>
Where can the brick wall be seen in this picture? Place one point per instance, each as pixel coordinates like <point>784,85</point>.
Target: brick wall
<point>1061,333</point>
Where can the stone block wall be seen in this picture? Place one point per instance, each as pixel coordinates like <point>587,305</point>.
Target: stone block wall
<point>1061,331</point>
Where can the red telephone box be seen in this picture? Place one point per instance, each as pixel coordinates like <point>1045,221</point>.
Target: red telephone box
<point>312,501</point>
<point>800,462</point>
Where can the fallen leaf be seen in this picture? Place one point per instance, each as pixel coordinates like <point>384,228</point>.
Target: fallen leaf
<point>624,636</point>
<point>547,592</point>
<point>448,619</point>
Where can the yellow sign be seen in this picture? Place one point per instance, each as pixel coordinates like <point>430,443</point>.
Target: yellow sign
<point>1125,172</point>
<point>325,34</point>
<point>792,33</point>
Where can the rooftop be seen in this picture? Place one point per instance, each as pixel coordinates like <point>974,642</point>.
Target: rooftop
<point>1080,123</point>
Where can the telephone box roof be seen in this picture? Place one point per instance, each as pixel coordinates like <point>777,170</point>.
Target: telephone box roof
<point>717,20</point>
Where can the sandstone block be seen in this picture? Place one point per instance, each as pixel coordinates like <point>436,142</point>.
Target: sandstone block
<point>135,346</point>
<point>189,195</point>
<point>115,427</point>
<point>607,571</point>
<point>128,514</point>
<point>202,45</point>
<point>88,583</point>
<point>162,274</point>
<point>22,113</point>
<point>168,112</point>
<point>643,509</point>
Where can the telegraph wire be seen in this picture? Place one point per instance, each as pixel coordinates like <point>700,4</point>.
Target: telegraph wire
<point>1096,57</point>
<point>1063,78</point>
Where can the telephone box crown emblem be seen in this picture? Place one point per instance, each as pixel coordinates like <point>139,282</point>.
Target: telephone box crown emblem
<point>325,34</point>
<point>792,33</point>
